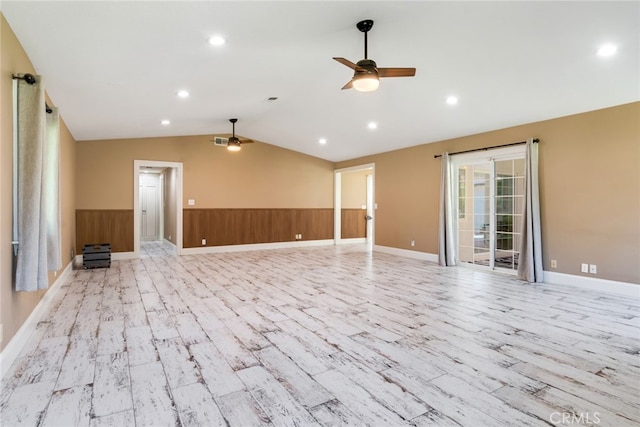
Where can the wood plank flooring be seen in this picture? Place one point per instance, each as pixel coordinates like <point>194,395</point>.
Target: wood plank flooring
<point>323,336</point>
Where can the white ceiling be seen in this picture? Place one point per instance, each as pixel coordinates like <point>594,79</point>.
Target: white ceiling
<point>113,68</point>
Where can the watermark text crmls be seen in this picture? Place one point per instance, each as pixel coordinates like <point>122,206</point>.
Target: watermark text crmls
<point>573,418</point>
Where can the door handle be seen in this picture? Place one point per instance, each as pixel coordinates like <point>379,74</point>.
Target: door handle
<point>368,217</point>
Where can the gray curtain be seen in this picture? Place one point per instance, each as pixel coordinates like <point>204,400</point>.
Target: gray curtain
<point>31,267</point>
<point>446,238</point>
<point>52,189</point>
<point>530,261</point>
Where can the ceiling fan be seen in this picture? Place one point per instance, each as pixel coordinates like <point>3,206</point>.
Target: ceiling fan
<point>232,143</point>
<point>366,76</point>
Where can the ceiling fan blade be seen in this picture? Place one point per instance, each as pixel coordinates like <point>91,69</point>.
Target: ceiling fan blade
<point>396,72</point>
<point>246,141</point>
<point>348,85</point>
<point>349,64</point>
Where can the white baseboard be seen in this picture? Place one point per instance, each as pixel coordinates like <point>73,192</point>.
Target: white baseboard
<point>119,256</point>
<point>352,241</point>
<point>19,340</point>
<point>593,283</point>
<point>407,253</point>
<point>255,247</point>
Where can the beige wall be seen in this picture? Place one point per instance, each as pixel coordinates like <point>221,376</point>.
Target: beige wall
<point>589,189</point>
<point>259,176</point>
<point>15,307</point>
<point>354,189</point>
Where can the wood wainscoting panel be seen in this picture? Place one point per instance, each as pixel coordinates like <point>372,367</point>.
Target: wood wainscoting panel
<point>229,227</point>
<point>280,223</point>
<point>315,224</point>
<point>195,227</point>
<point>222,227</point>
<point>114,226</point>
<point>354,223</point>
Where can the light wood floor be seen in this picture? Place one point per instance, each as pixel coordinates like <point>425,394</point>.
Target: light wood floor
<point>323,336</point>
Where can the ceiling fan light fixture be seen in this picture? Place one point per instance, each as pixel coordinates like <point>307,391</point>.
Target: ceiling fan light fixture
<point>365,82</point>
<point>234,146</point>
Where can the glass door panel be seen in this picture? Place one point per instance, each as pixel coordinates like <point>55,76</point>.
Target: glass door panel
<point>509,200</point>
<point>490,203</point>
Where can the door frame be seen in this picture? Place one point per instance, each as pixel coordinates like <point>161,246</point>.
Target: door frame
<point>337,202</point>
<point>137,165</point>
<point>488,156</point>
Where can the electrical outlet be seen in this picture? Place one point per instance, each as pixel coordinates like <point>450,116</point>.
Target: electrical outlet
<point>585,268</point>
<point>300,236</point>
<point>593,269</point>
<point>554,263</point>
<point>204,242</point>
<point>413,242</point>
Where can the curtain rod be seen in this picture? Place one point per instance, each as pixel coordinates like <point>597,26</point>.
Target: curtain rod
<point>30,79</point>
<point>535,140</point>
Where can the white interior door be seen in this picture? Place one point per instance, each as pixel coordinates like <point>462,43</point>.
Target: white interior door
<point>150,206</point>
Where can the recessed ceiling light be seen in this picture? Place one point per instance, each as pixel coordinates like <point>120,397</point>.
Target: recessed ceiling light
<point>183,94</point>
<point>217,40</point>
<point>607,49</point>
<point>452,100</point>
<point>165,122</point>
<point>372,125</point>
<point>322,141</point>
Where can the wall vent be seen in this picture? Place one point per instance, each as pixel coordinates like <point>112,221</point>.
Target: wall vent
<point>218,140</point>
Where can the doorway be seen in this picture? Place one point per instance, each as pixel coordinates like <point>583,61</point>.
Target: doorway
<point>354,205</point>
<point>151,218</point>
<point>157,203</point>
<point>490,204</point>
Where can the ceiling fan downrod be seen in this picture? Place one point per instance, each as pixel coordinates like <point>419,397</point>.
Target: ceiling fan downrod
<point>233,126</point>
<point>365,26</point>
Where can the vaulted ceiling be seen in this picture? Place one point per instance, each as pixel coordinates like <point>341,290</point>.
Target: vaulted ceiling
<point>114,68</point>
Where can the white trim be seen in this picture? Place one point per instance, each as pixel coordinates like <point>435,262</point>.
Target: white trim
<point>18,341</point>
<point>593,283</point>
<point>119,256</point>
<point>351,241</point>
<point>337,201</point>
<point>407,253</point>
<point>255,247</point>
<point>337,206</point>
<point>169,242</point>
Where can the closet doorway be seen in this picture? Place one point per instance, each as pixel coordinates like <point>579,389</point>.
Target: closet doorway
<point>151,204</point>
<point>157,203</point>
<point>354,205</point>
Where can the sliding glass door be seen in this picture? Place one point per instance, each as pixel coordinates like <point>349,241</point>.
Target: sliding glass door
<point>490,201</point>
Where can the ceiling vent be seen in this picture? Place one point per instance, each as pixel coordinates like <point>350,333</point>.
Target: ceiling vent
<point>218,140</point>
